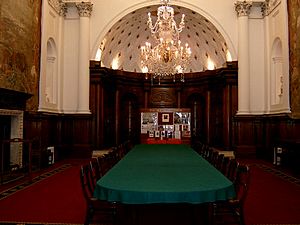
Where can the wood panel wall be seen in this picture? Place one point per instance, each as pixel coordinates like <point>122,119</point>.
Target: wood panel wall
<point>70,135</point>
<point>116,98</point>
<point>211,96</point>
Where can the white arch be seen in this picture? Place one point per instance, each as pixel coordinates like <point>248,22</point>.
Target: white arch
<point>51,48</point>
<point>51,72</point>
<point>185,4</point>
<point>276,78</point>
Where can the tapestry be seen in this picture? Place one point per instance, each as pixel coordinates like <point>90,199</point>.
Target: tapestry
<point>20,31</point>
<point>294,43</point>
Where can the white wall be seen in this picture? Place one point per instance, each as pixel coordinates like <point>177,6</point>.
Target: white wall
<point>64,32</point>
<point>278,29</point>
<point>50,30</point>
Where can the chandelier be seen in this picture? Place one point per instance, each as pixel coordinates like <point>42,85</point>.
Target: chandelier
<point>168,58</point>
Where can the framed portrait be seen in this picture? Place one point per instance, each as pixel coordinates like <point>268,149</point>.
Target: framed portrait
<point>165,118</point>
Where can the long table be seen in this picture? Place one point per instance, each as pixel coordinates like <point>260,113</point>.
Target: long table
<point>163,174</point>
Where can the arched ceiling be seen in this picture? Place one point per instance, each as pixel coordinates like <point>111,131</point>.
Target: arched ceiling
<point>123,41</point>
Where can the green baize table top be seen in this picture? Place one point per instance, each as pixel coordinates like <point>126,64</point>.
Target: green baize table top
<point>163,174</point>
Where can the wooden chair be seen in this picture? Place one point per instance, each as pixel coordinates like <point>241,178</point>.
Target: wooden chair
<point>128,145</point>
<point>232,170</point>
<point>198,147</point>
<point>206,151</point>
<point>95,166</point>
<point>104,211</point>
<point>224,167</point>
<point>107,161</point>
<point>220,161</point>
<point>213,157</point>
<point>232,211</point>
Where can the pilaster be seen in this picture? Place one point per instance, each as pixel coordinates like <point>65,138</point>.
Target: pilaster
<point>84,11</point>
<point>243,9</point>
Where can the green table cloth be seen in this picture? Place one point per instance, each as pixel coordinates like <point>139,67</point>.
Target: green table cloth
<point>163,174</point>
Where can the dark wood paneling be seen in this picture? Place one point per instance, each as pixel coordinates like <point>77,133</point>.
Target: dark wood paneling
<point>256,136</point>
<point>117,97</point>
<point>213,91</point>
<point>68,134</point>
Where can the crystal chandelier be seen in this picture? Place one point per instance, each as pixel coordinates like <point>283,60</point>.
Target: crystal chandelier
<point>168,58</point>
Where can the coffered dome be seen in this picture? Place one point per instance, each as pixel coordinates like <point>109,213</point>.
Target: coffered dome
<point>120,48</point>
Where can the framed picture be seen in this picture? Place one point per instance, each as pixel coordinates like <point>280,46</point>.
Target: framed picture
<point>151,133</point>
<point>165,118</point>
<point>157,133</point>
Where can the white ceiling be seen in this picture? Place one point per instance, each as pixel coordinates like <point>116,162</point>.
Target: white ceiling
<point>124,39</point>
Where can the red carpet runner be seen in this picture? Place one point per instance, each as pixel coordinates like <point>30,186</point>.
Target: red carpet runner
<point>54,199</point>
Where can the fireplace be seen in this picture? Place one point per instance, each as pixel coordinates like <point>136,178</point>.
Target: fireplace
<point>11,127</point>
<point>12,107</point>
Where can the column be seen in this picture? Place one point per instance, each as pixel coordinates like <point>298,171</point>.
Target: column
<point>84,11</point>
<point>265,11</point>
<point>60,71</point>
<point>243,9</point>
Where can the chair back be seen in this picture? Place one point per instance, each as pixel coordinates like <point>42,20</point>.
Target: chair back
<point>87,181</point>
<point>106,162</point>
<point>220,161</point>
<point>214,158</point>
<point>225,164</point>
<point>242,182</point>
<point>95,166</point>
<point>232,170</point>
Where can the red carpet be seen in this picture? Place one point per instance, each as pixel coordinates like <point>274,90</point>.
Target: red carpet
<point>272,199</point>
<point>55,199</point>
<point>58,199</point>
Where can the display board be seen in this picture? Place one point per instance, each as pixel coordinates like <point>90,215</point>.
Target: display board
<point>165,126</point>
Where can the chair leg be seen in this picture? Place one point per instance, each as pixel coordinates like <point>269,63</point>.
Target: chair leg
<point>88,215</point>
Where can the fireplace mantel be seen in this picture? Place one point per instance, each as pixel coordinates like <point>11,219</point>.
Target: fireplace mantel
<point>10,99</point>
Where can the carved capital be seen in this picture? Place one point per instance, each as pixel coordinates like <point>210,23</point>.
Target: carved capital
<point>59,7</point>
<point>243,8</point>
<point>268,6</point>
<point>63,9</point>
<point>84,8</point>
<point>264,8</point>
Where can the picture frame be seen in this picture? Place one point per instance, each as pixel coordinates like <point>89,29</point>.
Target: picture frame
<point>165,118</point>
<point>157,133</point>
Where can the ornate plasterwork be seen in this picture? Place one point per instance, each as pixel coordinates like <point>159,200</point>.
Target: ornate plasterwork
<point>268,6</point>
<point>84,8</point>
<point>243,8</point>
<point>74,1</point>
<point>264,8</point>
<point>59,6</point>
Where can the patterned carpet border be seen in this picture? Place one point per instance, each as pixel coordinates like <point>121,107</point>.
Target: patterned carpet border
<point>26,184</point>
<point>37,223</point>
<point>280,174</point>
